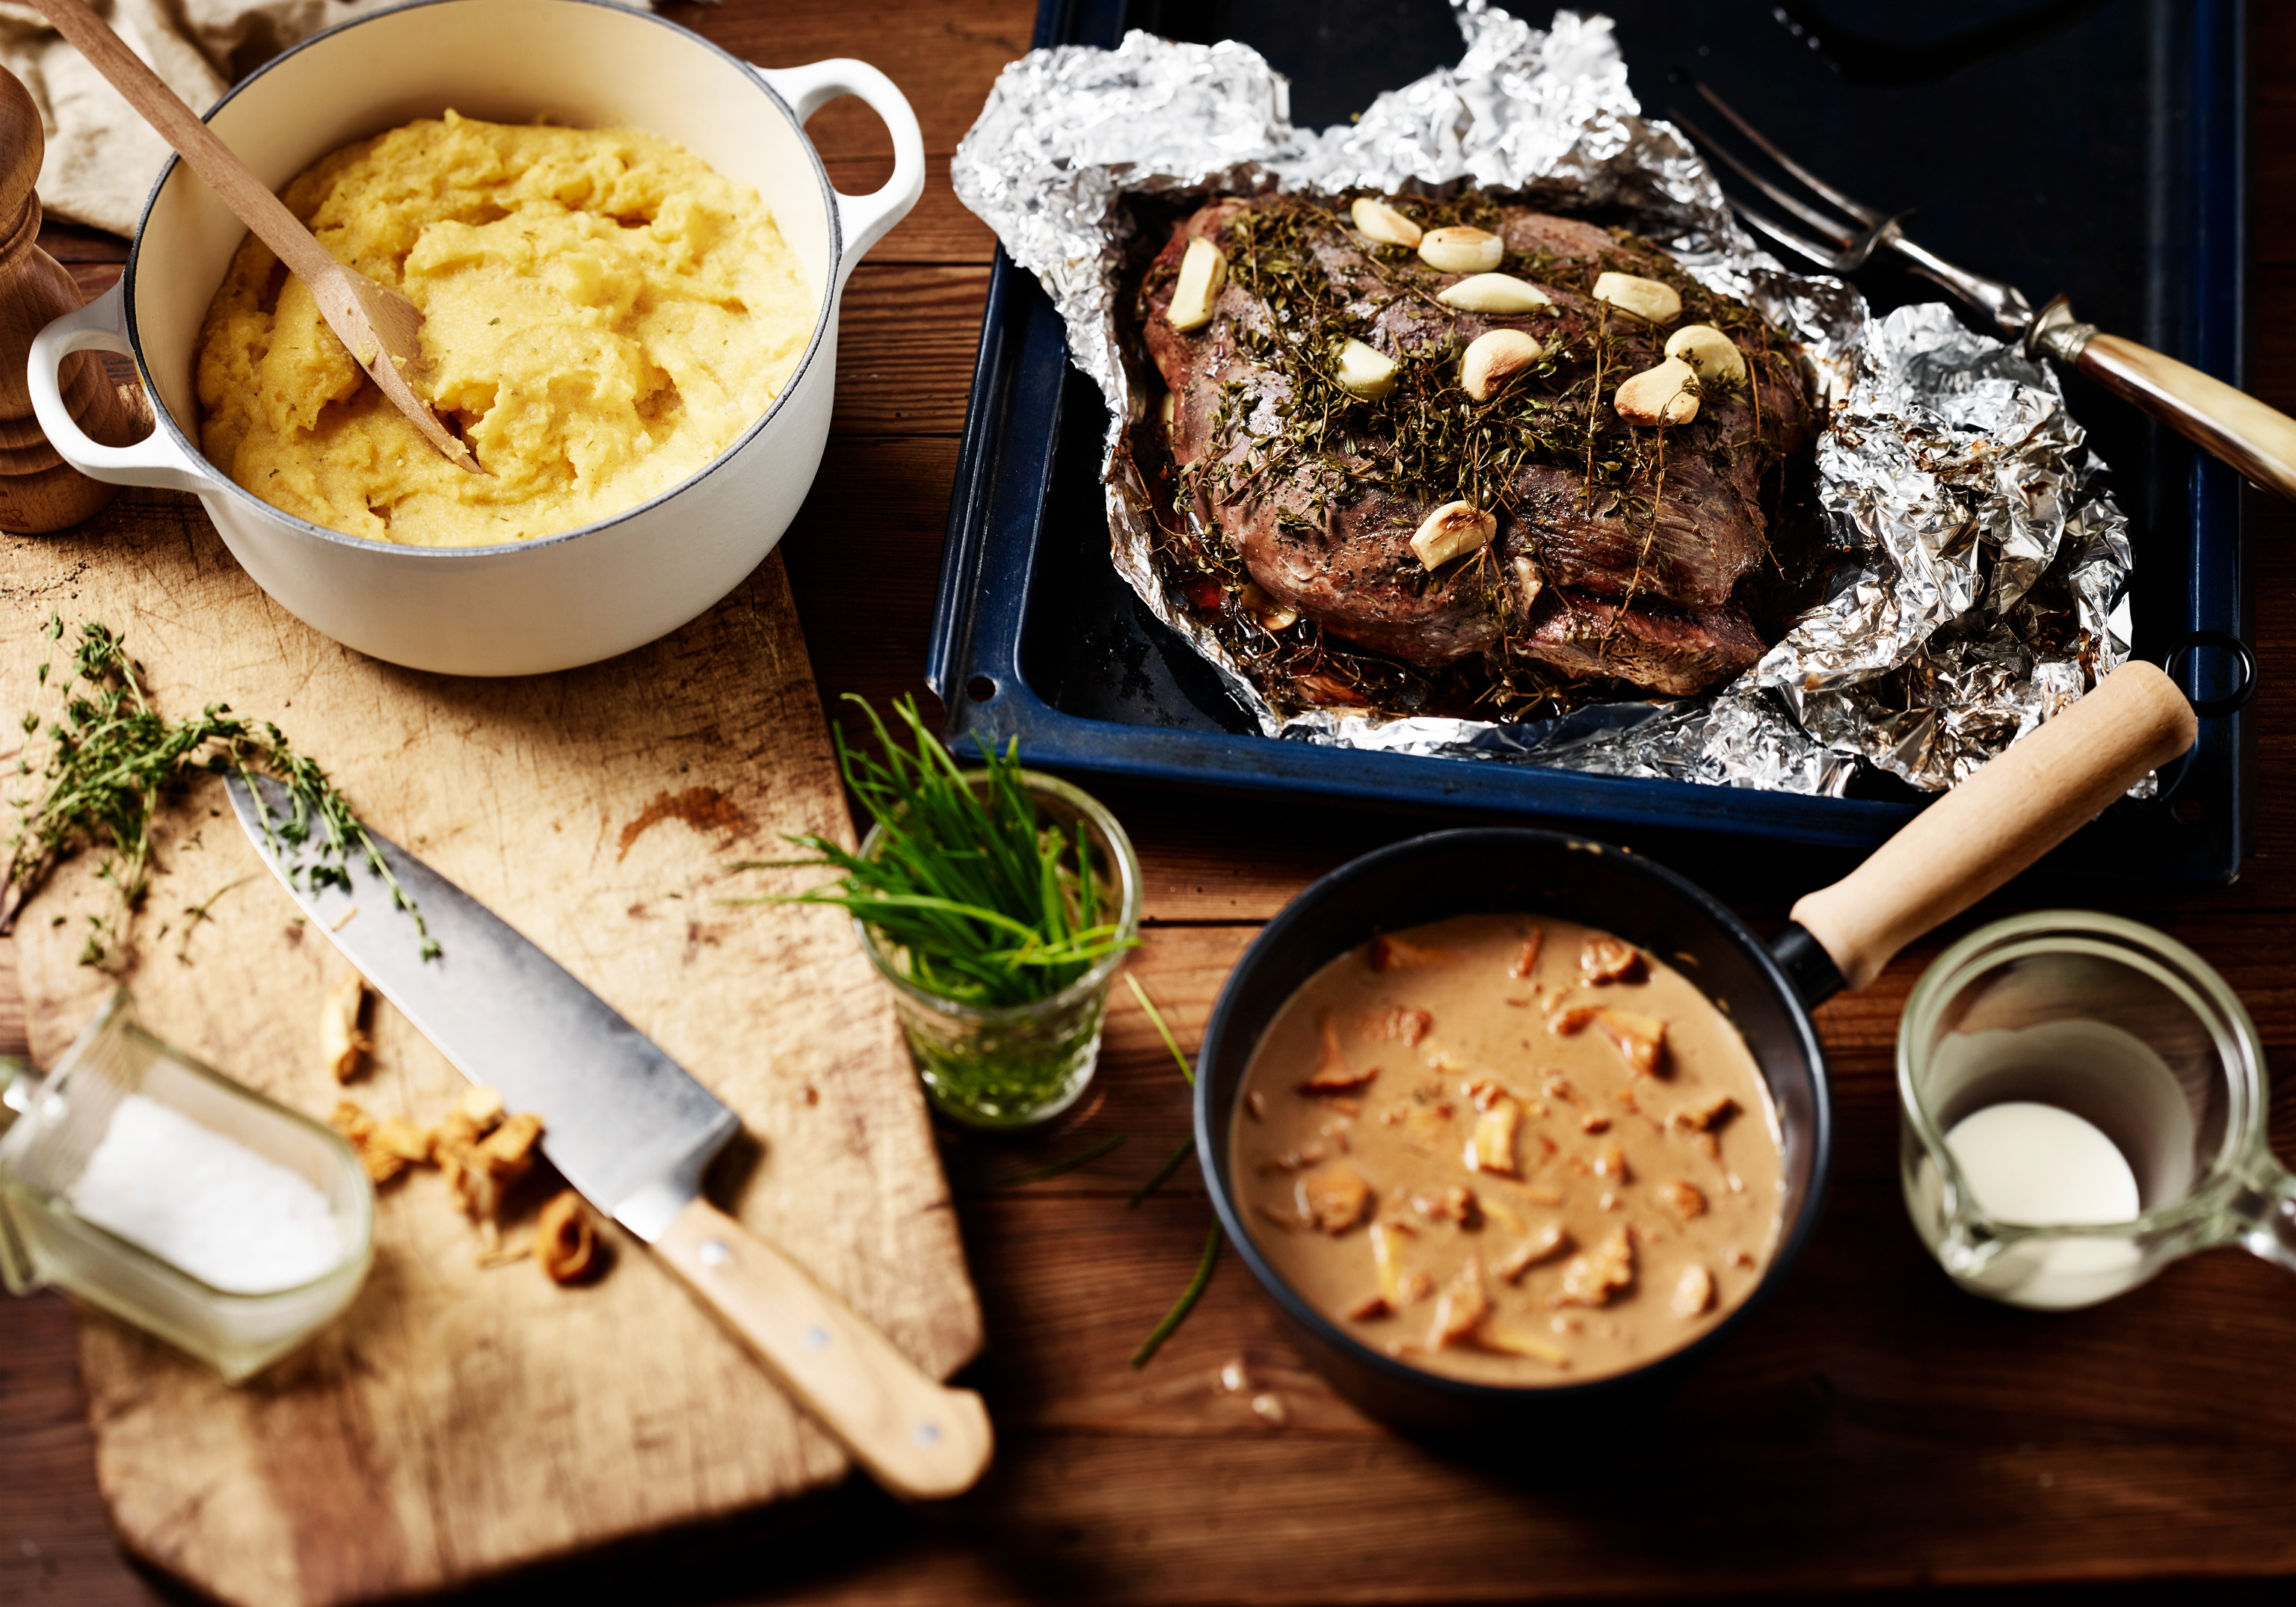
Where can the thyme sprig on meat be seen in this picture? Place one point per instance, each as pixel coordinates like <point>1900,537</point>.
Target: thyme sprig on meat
<point>1302,447</point>
<point>99,772</point>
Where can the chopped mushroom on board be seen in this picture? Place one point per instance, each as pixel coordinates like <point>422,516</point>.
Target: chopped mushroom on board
<point>344,1043</point>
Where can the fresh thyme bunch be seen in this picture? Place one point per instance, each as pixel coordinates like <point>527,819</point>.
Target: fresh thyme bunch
<point>988,905</point>
<point>111,757</point>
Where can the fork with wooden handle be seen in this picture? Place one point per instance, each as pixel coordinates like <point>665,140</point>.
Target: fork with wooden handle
<point>378,327</point>
<point>2256,439</point>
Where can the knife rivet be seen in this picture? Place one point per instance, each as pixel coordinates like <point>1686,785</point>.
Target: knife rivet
<point>714,1253</point>
<point>817,1337</point>
<point>927,1433</point>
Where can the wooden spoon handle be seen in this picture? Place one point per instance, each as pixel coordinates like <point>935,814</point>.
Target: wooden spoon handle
<point>918,1438</point>
<point>1998,822</point>
<point>2257,440</point>
<point>248,196</point>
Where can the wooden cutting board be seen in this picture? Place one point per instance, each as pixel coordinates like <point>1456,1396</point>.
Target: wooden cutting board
<point>456,1420</point>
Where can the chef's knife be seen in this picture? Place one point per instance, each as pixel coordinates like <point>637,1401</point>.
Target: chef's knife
<point>633,1131</point>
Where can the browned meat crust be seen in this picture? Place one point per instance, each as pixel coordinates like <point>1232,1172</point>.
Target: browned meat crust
<point>1620,551</point>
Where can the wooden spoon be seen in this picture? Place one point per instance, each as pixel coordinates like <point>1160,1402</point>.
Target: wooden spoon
<point>378,326</point>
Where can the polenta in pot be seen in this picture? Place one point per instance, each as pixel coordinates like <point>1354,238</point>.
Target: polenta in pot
<point>603,315</point>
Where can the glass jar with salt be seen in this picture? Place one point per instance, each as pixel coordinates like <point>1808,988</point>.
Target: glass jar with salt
<point>177,1199</point>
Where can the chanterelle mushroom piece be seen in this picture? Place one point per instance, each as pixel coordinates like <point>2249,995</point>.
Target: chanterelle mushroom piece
<point>1333,1071</point>
<point>1641,1039</point>
<point>1400,954</point>
<point>1695,1293</point>
<point>1603,959</point>
<point>1683,1199</point>
<point>1544,1244</point>
<point>1593,1276</point>
<point>1491,1149</point>
<point>1464,1304</point>
<point>1334,1199</point>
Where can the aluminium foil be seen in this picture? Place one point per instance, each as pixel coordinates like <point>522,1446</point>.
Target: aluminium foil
<point>1979,569</point>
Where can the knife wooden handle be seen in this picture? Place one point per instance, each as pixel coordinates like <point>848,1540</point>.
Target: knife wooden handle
<point>921,1439</point>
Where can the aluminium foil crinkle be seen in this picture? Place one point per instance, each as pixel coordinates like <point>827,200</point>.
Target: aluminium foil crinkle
<point>1979,569</point>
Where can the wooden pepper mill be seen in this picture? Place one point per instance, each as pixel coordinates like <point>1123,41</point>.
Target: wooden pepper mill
<point>38,490</point>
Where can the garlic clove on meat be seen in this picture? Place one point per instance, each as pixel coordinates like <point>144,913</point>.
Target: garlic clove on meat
<point>1461,249</point>
<point>1665,395</point>
<point>1495,358</point>
<point>1495,294</point>
<point>1644,297</point>
<point>1452,531</point>
<point>1273,616</point>
<point>1203,271</point>
<point>1713,354</point>
<point>1365,373</point>
<point>1376,220</point>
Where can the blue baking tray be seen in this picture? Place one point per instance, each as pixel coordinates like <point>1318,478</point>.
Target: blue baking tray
<point>2094,148</point>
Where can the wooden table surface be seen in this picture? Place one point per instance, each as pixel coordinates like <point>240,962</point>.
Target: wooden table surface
<point>1870,1429</point>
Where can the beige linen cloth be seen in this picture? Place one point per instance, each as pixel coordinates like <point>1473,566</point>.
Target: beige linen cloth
<point>102,157</point>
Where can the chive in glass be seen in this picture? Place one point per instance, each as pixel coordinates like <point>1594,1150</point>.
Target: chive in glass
<point>1018,1065</point>
<point>997,903</point>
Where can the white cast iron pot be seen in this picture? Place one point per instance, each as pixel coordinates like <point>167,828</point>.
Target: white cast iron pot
<point>559,601</point>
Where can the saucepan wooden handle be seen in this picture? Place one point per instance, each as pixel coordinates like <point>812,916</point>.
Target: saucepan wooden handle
<point>2257,440</point>
<point>2001,820</point>
<point>918,1438</point>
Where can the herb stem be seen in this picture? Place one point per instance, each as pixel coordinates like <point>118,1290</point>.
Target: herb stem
<point>1163,1173</point>
<point>1106,1146</point>
<point>1184,1304</point>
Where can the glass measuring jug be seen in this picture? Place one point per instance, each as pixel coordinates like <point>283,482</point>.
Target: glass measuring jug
<point>51,1128</point>
<point>2092,1017</point>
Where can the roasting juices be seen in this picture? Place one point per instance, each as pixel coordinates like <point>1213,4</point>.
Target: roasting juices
<point>1510,1148</point>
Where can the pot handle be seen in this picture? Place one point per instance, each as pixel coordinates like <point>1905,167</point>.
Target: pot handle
<point>2015,809</point>
<point>155,460</point>
<point>865,218</point>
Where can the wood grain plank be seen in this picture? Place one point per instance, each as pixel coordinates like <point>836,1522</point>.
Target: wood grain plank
<point>942,54</point>
<point>906,343</point>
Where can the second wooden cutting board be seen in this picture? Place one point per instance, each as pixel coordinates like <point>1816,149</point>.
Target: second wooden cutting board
<point>458,1420</point>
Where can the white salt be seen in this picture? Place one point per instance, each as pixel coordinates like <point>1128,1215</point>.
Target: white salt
<point>229,1217</point>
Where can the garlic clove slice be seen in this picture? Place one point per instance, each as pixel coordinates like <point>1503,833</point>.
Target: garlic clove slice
<point>1453,530</point>
<point>1365,373</point>
<point>1501,293</point>
<point>1495,358</point>
<point>1665,395</point>
<point>1375,221</point>
<point>1713,354</point>
<point>1644,298</point>
<point>1203,271</point>
<point>1461,249</point>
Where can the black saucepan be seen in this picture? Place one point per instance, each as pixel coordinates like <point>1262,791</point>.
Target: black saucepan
<point>1995,825</point>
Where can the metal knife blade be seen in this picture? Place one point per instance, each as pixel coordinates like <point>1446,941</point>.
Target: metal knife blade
<point>622,1122</point>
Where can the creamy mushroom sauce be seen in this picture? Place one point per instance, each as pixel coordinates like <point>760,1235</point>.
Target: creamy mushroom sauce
<point>1509,1149</point>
